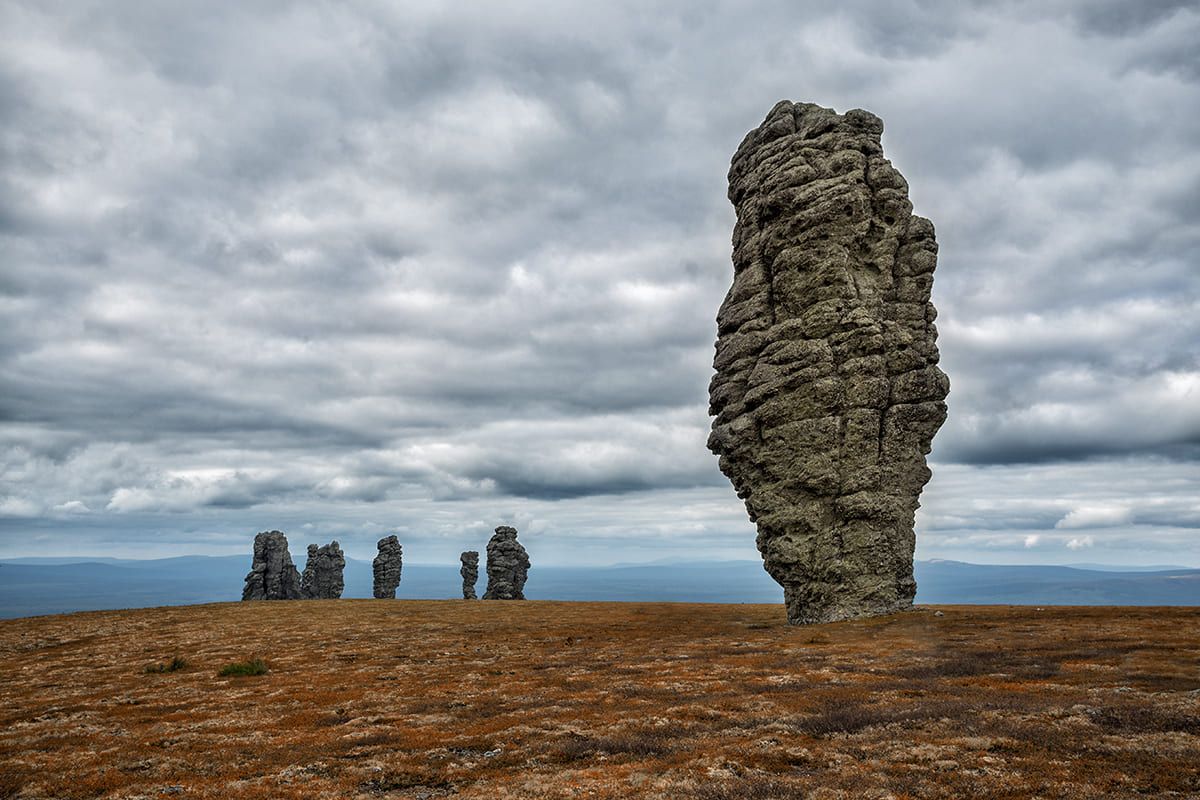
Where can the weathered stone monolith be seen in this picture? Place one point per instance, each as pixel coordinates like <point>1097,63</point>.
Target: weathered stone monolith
<point>827,393</point>
<point>507,566</point>
<point>387,566</point>
<point>322,578</point>
<point>470,573</point>
<point>272,576</point>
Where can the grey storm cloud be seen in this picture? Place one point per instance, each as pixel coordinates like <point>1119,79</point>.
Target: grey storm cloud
<point>369,267</point>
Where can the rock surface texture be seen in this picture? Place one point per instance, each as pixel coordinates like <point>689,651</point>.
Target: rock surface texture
<point>322,578</point>
<point>272,576</point>
<point>507,566</point>
<point>470,573</point>
<point>827,393</point>
<point>387,566</point>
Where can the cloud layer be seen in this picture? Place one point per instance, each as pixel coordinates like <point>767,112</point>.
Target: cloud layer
<point>367,269</point>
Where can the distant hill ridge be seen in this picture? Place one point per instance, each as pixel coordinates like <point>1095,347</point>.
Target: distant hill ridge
<point>56,585</point>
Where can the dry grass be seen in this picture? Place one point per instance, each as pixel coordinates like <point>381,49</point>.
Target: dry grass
<point>405,699</point>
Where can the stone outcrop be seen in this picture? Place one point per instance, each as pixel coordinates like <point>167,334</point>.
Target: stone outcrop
<point>387,566</point>
<point>470,573</point>
<point>322,578</point>
<point>272,576</point>
<point>507,566</point>
<point>827,393</point>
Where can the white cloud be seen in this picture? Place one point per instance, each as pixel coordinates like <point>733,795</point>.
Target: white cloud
<point>1080,542</point>
<point>73,507</point>
<point>1096,517</point>
<point>126,499</point>
<point>19,507</point>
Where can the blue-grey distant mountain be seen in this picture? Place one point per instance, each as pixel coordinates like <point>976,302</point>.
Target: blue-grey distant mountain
<point>958,582</point>
<point>33,586</point>
<point>57,560</point>
<point>1142,568</point>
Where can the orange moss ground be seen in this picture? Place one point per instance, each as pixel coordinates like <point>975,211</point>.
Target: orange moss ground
<point>368,699</point>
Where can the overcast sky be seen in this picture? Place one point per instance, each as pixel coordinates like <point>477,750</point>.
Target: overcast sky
<point>423,268</point>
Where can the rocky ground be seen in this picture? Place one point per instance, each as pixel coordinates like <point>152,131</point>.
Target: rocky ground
<point>405,699</point>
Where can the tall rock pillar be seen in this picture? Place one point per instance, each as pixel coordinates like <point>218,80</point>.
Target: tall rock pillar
<point>507,566</point>
<point>272,575</point>
<point>387,567</point>
<point>827,393</point>
<point>323,577</point>
<point>470,573</point>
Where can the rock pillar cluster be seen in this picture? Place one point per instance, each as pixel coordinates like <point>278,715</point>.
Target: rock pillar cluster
<point>470,573</point>
<point>827,393</point>
<point>507,566</point>
<point>272,576</point>
<point>387,566</point>
<point>322,578</point>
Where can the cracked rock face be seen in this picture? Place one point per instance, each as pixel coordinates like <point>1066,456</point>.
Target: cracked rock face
<point>272,576</point>
<point>470,573</point>
<point>827,393</point>
<point>322,576</point>
<point>507,566</point>
<point>387,566</point>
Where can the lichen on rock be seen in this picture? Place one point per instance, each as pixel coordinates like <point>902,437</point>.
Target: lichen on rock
<point>387,567</point>
<point>469,572</point>
<point>827,393</point>
<point>272,574</point>
<point>507,566</point>
<point>323,577</point>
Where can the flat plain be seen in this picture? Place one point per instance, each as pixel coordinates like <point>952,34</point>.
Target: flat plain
<point>424,699</point>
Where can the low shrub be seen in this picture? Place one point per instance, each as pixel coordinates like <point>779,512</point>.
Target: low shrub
<point>849,718</point>
<point>10,785</point>
<point>837,715</point>
<point>634,743</point>
<point>174,665</point>
<point>419,779</point>
<point>1145,719</point>
<point>255,666</point>
<point>760,787</point>
<point>974,663</point>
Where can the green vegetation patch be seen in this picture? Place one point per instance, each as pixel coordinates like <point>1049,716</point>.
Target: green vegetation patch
<point>255,666</point>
